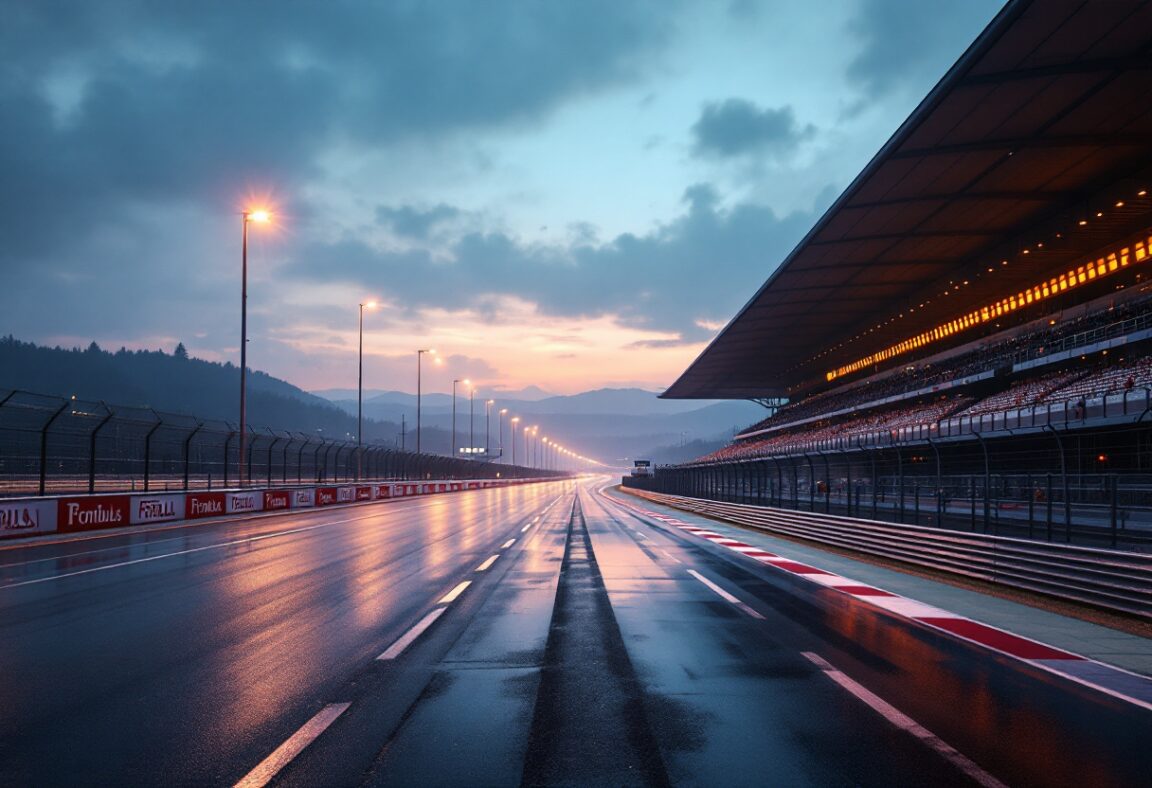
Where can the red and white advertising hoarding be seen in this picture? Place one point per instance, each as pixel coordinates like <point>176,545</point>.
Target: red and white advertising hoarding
<point>24,518</point>
<point>242,502</point>
<point>92,513</point>
<point>157,508</point>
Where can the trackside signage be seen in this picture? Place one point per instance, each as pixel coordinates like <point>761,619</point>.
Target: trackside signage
<point>18,518</point>
<point>240,502</point>
<point>199,505</point>
<point>87,514</point>
<point>157,508</point>
<point>277,499</point>
<point>30,516</point>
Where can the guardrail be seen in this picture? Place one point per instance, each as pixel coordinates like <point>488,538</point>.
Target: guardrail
<point>1105,579</point>
<point>78,514</point>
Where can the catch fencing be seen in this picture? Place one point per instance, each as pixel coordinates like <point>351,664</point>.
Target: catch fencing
<point>54,446</point>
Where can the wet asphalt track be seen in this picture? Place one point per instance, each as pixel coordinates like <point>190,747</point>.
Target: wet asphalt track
<point>588,648</point>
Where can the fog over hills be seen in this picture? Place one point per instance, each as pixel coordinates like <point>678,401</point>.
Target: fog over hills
<point>611,425</point>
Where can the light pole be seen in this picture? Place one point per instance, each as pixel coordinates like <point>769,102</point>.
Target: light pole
<point>488,426</point>
<point>360,397</point>
<point>501,420</point>
<point>262,217</point>
<point>419,356</point>
<point>471,420</point>
<point>515,420</point>
<point>454,382</point>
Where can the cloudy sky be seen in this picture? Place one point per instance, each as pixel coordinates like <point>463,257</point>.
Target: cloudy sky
<point>561,193</point>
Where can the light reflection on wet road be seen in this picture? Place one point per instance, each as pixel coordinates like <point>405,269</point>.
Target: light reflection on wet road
<point>582,646</point>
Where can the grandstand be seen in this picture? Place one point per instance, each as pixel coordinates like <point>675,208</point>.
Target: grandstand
<point>973,315</point>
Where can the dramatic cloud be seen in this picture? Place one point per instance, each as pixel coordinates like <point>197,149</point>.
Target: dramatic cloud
<point>737,127</point>
<point>109,105</point>
<point>906,40</point>
<point>698,268</point>
<point>411,222</point>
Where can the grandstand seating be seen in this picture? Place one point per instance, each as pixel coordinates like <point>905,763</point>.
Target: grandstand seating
<point>874,416</point>
<point>1034,344</point>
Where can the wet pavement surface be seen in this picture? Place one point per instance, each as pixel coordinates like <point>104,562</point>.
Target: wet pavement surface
<point>535,635</point>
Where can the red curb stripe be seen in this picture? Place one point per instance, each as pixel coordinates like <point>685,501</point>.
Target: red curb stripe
<point>999,639</point>
<point>800,569</point>
<point>863,591</point>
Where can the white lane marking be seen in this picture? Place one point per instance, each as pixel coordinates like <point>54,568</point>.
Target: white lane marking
<point>724,594</point>
<point>283,755</point>
<point>639,535</point>
<point>507,544</point>
<point>525,528</point>
<point>487,563</point>
<point>454,593</point>
<point>245,540</point>
<point>905,723</point>
<point>669,555</point>
<point>405,640</point>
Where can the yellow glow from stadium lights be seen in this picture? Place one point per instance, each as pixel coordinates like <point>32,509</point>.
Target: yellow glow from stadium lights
<point>1092,269</point>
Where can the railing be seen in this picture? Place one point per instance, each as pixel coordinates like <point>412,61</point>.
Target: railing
<point>52,445</point>
<point>1109,580</point>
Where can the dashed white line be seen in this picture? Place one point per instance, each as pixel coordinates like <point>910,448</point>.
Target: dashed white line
<point>487,563</point>
<point>405,640</point>
<point>507,544</point>
<point>525,528</point>
<point>905,723</point>
<point>724,594</point>
<point>669,555</point>
<point>454,593</point>
<point>282,755</point>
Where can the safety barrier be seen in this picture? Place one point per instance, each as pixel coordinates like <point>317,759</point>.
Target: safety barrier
<point>75,514</point>
<point>1110,580</point>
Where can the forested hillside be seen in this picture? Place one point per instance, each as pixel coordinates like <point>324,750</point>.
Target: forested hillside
<point>173,382</point>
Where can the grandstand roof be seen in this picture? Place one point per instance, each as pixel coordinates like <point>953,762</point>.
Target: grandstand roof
<point>1044,122</point>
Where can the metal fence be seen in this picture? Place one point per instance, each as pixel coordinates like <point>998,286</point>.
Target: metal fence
<point>1094,509</point>
<point>51,445</point>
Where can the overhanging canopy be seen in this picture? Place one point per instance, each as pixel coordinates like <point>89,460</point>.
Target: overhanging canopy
<point>1045,122</point>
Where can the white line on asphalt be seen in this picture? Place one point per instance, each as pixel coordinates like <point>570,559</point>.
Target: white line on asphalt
<point>905,723</point>
<point>507,544</point>
<point>405,640</point>
<point>455,592</point>
<point>271,766</point>
<point>170,555</point>
<point>669,555</point>
<point>640,535</point>
<point>487,563</point>
<point>525,528</point>
<point>724,594</point>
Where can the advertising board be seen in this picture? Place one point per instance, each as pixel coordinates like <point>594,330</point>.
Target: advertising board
<point>277,499</point>
<point>203,504</point>
<point>157,508</point>
<point>25,518</point>
<point>241,502</point>
<point>91,513</point>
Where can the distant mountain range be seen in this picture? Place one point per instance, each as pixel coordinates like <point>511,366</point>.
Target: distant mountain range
<point>612,425</point>
<point>620,423</point>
